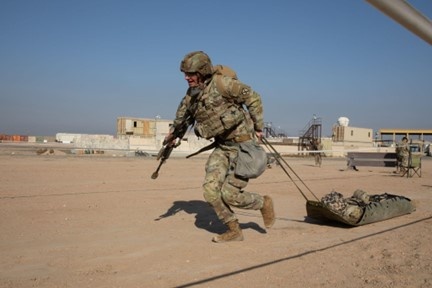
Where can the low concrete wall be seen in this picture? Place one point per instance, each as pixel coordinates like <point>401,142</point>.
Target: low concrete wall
<point>191,143</point>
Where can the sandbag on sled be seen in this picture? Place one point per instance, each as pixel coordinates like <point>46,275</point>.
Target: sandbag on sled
<point>356,212</point>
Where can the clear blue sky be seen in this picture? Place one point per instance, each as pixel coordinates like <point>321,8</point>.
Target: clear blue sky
<point>75,66</point>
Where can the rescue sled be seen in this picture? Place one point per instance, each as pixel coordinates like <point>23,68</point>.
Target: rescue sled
<point>375,211</point>
<point>365,208</point>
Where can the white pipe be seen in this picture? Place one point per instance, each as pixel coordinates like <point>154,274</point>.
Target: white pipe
<point>406,15</point>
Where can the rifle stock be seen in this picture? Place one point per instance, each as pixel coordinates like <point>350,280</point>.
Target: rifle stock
<point>163,155</point>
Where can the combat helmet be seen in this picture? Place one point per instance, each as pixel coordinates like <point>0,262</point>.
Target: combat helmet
<point>197,61</point>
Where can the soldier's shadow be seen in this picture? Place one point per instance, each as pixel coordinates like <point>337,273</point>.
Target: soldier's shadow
<point>205,217</point>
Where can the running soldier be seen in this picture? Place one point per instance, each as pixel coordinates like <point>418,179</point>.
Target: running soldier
<point>217,104</point>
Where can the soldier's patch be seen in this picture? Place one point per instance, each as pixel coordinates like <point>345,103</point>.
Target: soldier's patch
<point>245,91</point>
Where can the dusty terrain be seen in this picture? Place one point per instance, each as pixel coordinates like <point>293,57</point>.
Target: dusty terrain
<point>100,221</point>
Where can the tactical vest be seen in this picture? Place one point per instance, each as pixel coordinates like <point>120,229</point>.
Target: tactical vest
<point>215,114</point>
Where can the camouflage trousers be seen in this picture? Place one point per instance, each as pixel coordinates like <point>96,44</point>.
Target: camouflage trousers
<point>223,189</point>
<point>403,160</point>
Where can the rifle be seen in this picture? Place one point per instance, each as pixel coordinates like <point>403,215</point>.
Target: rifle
<point>168,145</point>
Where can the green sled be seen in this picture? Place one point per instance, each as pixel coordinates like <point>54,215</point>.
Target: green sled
<point>393,206</point>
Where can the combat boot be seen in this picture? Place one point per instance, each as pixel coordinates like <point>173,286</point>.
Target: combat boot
<point>267,212</point>
<point>234,233</point>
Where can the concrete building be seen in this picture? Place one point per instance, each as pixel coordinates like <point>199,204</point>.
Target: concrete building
<point>142,127</point>
<point>148,134</point>
<point>349,134</point>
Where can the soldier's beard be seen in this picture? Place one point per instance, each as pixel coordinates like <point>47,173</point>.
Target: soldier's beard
<point>194,91</point>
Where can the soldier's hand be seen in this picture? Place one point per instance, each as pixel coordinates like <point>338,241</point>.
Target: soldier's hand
<point>169,140</point>
<point>259,135</point>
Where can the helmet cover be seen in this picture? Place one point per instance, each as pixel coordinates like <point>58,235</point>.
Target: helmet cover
<point>197,61</point>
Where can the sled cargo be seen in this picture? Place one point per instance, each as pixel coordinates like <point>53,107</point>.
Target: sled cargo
<point>375,211</point>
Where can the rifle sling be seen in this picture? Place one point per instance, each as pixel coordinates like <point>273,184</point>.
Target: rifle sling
<point>205,148</point>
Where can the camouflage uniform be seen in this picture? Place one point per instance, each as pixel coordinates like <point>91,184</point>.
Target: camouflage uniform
<point>222,188</point>
<point>230,112</point>
<point>317,146</point>
<point>402,150</point>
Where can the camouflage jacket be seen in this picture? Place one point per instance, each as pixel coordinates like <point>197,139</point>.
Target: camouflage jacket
<point>225,108</point>
<point>402,148</point>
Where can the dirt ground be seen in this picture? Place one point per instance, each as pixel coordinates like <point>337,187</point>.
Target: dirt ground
<point>101,221</point>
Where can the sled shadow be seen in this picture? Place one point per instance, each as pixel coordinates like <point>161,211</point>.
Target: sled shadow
<point>335,224</point>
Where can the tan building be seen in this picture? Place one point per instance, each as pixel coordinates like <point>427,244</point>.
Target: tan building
<point>148,134</point>
<point>346,138</point>
<point>352,134</point>
<point>142,127</point>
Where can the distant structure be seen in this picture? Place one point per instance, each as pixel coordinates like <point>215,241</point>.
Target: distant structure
<point>142,127</point>
<point>342,132</point>
<point>311,133</point>
<point>270,131</point>
<point>399,133</point>
<point>149,133</point>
